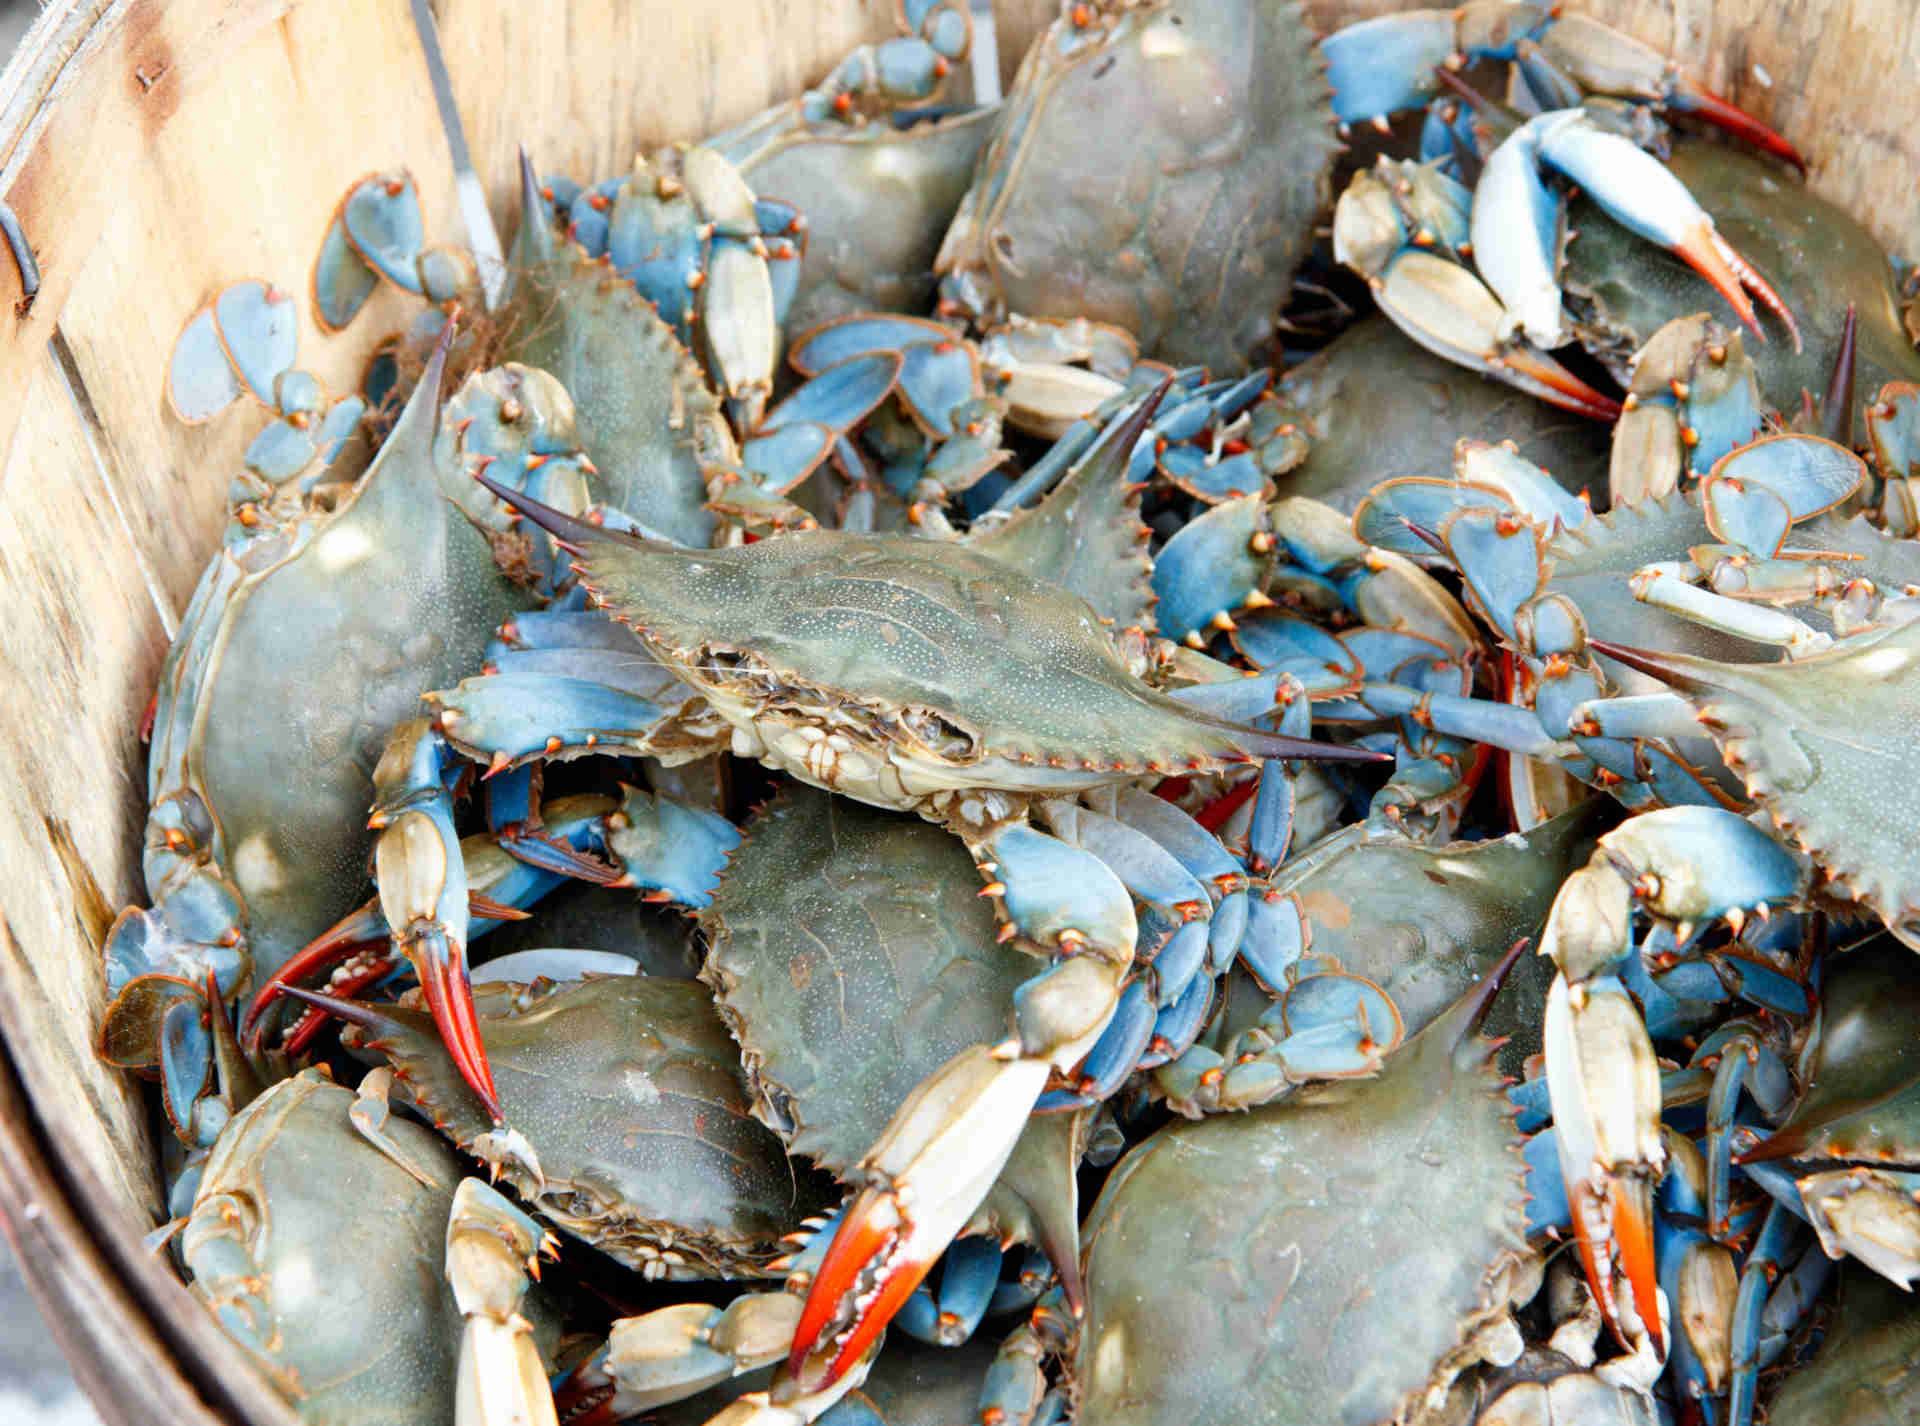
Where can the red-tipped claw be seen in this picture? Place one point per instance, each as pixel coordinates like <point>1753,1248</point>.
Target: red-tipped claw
<point>443,977</point>
<point>1714,258</point>
<point>1552,382</point>
<point>926,1175</point>
<point>1604,1082</point>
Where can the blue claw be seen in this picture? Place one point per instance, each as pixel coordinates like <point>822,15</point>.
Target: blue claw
<point>1499,557</point>
<point>1178,962</point>
<point>383,222</point>
<point>1276,938</point>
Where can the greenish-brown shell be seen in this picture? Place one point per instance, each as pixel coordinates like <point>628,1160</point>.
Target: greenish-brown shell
<point>645,414</point>
<point>1825,744</point>
<point>1817,257</point>
<point>877,200</point>
<point>852,955</point>
<point>920,644</point>
<point>1162,177</point>
<point>1379,407</point>
<point>1860,1074</point>
<point>1320,1260</point>
<point>629,1089</point>
<point>1868,1370</point>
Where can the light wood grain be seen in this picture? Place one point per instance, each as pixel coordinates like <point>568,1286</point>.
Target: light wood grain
<point>155,151</point>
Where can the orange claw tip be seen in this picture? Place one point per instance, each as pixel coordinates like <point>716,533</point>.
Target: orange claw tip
<point>1633,1233</point>
<point>1562,387</point>
<point>450,999</point>
<point>866,1246</point>
<point>1699,247</point>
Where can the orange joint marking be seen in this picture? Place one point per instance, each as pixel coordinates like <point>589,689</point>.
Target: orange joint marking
<point>394,189</point>
<point>1680,389</point>
<point>599,202</point>
<point>1006,933</point>
<point>1689,436</point>
<point>993,888</point>
<point>1509,525</point>
<point>1072,938</point>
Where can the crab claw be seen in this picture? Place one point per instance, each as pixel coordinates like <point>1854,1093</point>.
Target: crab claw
<point>1640,193</point>
<point>925,1176</point>
<point>1604,1082</point>
<point>423,894</point>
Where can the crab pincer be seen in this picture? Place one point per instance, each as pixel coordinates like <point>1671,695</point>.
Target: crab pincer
<point>1630,184</point>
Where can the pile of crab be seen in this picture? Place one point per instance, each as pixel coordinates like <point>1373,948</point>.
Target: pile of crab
<point>819,673</point>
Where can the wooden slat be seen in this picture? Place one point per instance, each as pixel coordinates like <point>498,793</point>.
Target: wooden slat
<point>83,643</point>
<point>124,1323</point>
<point>237,178</point>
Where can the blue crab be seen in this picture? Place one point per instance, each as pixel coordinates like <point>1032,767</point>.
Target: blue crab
<point>648,1154</point>
<point>243,868</point>
<point>1218,1227</point>
<point>312,1193</point>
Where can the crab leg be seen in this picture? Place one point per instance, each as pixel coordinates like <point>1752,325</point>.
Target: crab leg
<point>1605,1084</point>
<point>492,1249</point>
<point>1442,306</point>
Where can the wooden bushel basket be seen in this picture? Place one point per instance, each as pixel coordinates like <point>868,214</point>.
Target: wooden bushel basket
<point>152,153</point>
